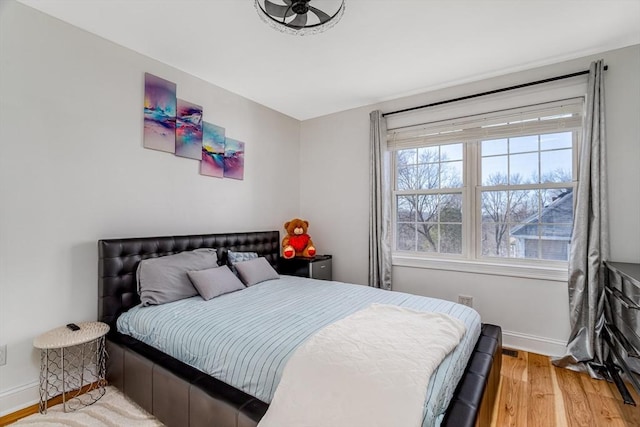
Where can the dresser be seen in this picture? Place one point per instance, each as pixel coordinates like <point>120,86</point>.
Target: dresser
<point>318,267</point>
<point>622,324</point>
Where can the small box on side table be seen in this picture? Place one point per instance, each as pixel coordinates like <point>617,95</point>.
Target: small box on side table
<point>72,361</point>
<point>318,267</point>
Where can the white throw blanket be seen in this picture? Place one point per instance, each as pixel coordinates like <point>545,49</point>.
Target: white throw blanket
<point>370,369</point>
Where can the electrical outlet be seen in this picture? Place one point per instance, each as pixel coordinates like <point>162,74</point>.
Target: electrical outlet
<point>3,354</point>
<point>465,300</point>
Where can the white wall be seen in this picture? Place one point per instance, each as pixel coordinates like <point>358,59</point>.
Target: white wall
<point>73,170</point>
<point>533,313</point>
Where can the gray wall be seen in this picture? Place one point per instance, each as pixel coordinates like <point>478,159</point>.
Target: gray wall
<point>533,312</point>
<point>73,170</point>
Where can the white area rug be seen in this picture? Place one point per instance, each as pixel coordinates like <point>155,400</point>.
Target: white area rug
<point>112,410</point>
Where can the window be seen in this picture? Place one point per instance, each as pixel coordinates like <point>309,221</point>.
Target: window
<point>526,196</point>
<point>491,188</point>
<point>429,189</point>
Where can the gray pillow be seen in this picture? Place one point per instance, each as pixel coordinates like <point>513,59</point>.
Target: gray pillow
<point>255,271</point>
<point>214,282</point>
<point>164,279</point>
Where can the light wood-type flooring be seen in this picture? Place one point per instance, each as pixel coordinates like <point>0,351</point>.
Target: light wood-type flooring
<point>534,393</point>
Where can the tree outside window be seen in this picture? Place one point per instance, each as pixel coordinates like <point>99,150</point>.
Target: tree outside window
<point>429,199</point>
<point>525,194</point>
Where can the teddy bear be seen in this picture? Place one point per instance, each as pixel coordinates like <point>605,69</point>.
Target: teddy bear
<point>297,242</point>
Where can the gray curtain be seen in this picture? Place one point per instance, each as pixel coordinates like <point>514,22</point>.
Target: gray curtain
<point>380,204</point>
<point>590,237</point>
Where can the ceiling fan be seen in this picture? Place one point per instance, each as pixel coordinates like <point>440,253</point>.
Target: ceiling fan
<point>300,16</point>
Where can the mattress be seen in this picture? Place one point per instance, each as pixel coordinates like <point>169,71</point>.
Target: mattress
<point>245,338</point>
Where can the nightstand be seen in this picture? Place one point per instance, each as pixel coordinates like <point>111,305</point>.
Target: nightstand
<point>318,267</point>
<point>72,362</point>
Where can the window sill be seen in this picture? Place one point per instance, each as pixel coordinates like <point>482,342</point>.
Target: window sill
<point>541,272</point>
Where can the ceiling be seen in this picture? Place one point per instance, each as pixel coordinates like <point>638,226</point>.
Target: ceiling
<point>380,50</point>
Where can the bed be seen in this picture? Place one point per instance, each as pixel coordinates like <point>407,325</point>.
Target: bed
<point>182,395</point>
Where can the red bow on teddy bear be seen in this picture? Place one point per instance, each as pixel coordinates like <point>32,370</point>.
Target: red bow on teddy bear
<point>297,242</point>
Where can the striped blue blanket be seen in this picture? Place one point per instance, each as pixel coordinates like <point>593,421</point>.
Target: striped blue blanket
<point>245,338</point>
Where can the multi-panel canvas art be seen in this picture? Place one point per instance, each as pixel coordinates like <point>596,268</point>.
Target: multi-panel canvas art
<point>189,130</point>
<point>233,159</point>
<point>176,126</point>
<point>213,143</point>
<point>159,113</point>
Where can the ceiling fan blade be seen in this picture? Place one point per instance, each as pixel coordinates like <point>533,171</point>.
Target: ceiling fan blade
<point>277,10</point>
<point>323,17</point>
<point>299,21</point>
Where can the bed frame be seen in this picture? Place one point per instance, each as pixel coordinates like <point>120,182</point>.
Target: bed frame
<point>180,395</point>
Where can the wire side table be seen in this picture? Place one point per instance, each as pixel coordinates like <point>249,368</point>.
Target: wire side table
<point>71,360</point>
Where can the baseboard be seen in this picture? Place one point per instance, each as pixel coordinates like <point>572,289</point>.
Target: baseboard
<point>533,344</point>
<point>17,398</point>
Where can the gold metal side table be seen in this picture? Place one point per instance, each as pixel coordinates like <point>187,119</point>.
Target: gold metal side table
<point>72,362</point>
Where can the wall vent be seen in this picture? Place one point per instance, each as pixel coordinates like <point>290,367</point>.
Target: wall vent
<point>507,352</point>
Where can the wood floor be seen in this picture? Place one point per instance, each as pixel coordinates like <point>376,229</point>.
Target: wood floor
<point>534,393</point>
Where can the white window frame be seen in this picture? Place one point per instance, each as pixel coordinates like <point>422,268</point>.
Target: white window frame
<point>436,191</point>
<point>471,259</point>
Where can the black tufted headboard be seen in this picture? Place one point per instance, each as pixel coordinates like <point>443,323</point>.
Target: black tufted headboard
<point>118,261</point>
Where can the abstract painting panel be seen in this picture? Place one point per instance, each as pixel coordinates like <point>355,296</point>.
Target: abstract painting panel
<point>213,142</point>
<point>159,113</point>
<point>233,159</point>
<point>189,130</point>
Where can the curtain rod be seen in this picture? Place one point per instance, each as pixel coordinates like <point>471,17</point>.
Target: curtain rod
<point>491,92</point>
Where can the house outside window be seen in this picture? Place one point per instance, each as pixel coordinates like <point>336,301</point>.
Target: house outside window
<point>492,188</point>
